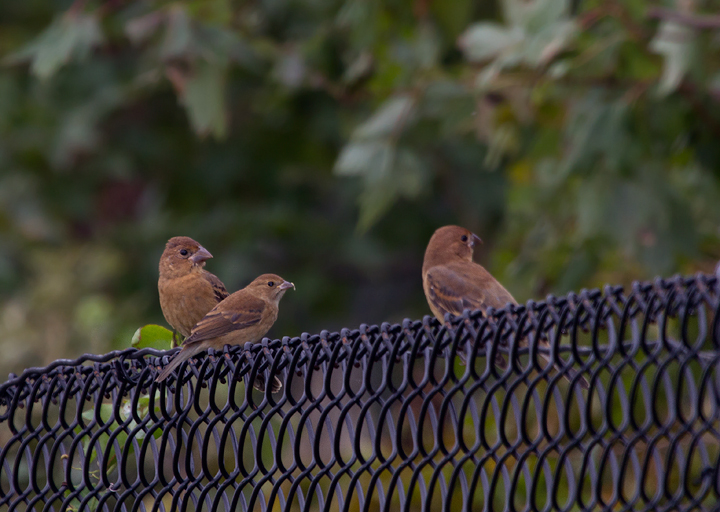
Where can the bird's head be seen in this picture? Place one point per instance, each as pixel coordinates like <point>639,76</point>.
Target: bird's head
<point>451,242</point>
<point>270,287</point>
<point>182,254</point>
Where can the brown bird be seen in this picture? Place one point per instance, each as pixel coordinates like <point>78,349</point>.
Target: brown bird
<point>187,290</point>
<point>453,282</point>
<point>245,316</point>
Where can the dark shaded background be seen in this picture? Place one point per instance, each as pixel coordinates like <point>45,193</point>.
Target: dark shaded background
<point>325,141</point>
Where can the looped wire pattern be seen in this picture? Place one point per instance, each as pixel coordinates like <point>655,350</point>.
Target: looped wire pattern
<point>410,416</point>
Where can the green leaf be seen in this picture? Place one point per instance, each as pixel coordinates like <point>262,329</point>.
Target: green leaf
<point>375,200</point>
<point>152,336</point>
<point>67,37</point>
<point>537,32</point>
<point>204,99</point>
<point>405,175</point>
<point>368,159</point>
<point>178,41</point>
<point>389,120</point>
<point>675,43</point>
<point>542,47</point>
<point>485,40</point>
<point>388,172</point>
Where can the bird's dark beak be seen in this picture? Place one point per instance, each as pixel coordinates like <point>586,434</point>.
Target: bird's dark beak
<point>285,285</point>
<point>475,240</point>
<point>200,256</point>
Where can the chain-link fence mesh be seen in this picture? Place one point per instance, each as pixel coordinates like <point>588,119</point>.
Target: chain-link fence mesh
<point>388,417</point>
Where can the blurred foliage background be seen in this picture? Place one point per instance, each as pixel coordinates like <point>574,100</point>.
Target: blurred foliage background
<point>326,140</point>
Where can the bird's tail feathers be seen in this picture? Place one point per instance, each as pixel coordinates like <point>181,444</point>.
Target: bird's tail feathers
<point>260,380</point>
<point>186,353</point>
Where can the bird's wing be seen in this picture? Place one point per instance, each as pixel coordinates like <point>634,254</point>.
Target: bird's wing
<point>477,278</point>
<point>217,286</point>
<point>221,321</point>
<point>451,293</point>
<point>465,285</point>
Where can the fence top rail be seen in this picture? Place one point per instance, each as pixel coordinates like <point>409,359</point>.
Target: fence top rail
<point>586,311</point>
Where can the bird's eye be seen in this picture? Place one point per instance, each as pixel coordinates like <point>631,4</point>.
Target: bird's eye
<point>271,283</point>
<point>183,252</point>
<point>464,238</point>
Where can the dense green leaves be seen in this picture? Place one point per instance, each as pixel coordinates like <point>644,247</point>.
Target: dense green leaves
<point>326,141</point>
<point>535,33</point>
<point>389,171</point>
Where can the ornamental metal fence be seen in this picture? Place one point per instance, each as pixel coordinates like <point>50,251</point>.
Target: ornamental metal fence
<point>410,416</point>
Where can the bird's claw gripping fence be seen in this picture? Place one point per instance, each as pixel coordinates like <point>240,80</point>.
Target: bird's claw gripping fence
<point>386,417</point>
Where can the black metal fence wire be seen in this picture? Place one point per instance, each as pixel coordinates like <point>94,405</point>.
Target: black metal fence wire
<point>386,417</point>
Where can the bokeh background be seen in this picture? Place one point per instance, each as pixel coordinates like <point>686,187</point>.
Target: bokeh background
<point>326,140</point>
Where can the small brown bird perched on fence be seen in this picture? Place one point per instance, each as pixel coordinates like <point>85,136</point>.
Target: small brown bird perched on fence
<point>453,282</point>
<point>244,316</point>
<point>187,290</point>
